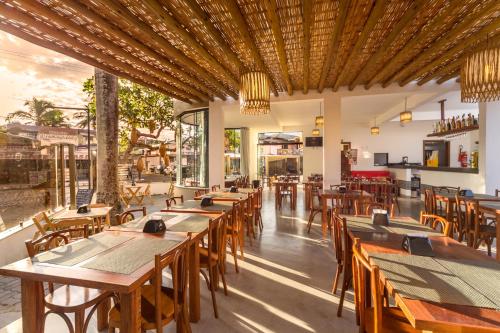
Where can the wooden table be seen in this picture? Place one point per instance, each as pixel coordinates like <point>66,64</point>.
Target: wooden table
<point>224,196</point>
<point>450,200</point>
<point>326,195</point>
<point>193,206</point>
<point>308,186</point>
<point>96,214</point>
<point>492,208</point>
<point>430,316</point>
<point>132,193</point>
<point>282,184</point>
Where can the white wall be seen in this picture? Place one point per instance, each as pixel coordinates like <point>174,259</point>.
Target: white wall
<point>489,157</point>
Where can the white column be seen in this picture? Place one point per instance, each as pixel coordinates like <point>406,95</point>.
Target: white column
<point>489,141</point>
<point>331,140</point>
<point>215,144</point>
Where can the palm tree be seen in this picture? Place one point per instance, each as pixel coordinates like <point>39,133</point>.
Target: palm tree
<point>40,112</point>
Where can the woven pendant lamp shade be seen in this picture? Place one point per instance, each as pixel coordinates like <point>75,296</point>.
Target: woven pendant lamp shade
<point>375,130</point>
<point>315,132</point>
<point>254,93</point>
<point>405,117</point>
<point>480,76</point>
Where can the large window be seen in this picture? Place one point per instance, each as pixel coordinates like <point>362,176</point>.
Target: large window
<point>232,151</point>
<point>280,154</point>
<point>192,149</point>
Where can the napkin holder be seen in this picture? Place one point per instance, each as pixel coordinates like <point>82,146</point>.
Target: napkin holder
<point>233,189</point>
<point>154,226</point>
<point>419,245</point>
<point>342,189</point>
<point>83,209</point>
<point>206,201</point>
<point>380,217</point>
<point>466,193</point>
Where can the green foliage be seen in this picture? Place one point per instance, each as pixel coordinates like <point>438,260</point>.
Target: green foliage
<point>40,112</point>
<point>138,106</point>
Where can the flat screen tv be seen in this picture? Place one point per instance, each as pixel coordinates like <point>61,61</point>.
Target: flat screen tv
<point>314,141</point>
<point>380,159</point>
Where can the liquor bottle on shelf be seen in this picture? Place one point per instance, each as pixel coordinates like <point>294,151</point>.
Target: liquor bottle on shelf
<point>475,121</point>
<point>453,123</point>
<point>464,124</point>
<point>448,125</point>
<point>458,123</point>
<point>469,120</point>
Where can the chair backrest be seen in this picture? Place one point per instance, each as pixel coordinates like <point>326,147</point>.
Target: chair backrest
<point>129,215</point>
<point>200,192</point>
<point>259,198</point>
<point>173,200</point>
<point>176,257</point>
<point>53,239</point>
<point>378,205</point>
<point>215,188</point>
<point>430,204</point>
<point>217,236</point>
<point>363,272</point>
<point>434,221</point>
<point>43,223</point>
<point>340,239</point>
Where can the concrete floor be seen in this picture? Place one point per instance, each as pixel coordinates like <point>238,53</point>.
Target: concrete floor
<point>283,285</point>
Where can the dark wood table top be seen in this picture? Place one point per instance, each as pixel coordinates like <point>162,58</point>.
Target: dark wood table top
<point>443,195</point>
<point>426,315</point>
<point>348,193</point>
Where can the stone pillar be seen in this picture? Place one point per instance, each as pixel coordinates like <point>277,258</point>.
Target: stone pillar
<point>489,138</point>
<point>331,140</point>
<point>106,88</point>
<point>215,144</point>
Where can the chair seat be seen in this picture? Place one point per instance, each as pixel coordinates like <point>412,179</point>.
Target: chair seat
<point>70,298</point>
<point>393,320</point>
<point>147,309</point>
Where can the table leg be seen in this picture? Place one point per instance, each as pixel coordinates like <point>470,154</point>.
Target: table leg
<point>130,311</point>
<point>295,197</point>
<point>194,282</point>
<point>324,215</point>
<point>32,306</point>
<point>102,314</point>
<point>449,210</point>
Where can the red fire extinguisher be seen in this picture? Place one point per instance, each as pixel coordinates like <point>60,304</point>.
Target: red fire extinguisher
<point>462,157</point>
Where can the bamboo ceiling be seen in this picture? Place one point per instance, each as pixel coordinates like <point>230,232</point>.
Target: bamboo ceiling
<point>195,50</point>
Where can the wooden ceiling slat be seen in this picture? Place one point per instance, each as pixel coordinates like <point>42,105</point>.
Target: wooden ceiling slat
<point>450,76</point>
<point>239,20</point>
<point>306,12</point>
<point>271,10</point>
<point>452,36</point>
<point>376,13</point>
<point>110,65</point>
<point>333,44</point>
<point>36,8</point>
<point>143,31</point>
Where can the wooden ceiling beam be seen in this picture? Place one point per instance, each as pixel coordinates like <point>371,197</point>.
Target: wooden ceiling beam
<point>333,43</point>
<point>143,31</point>
<point>54,33</point>
<point>272,15</point>
<point>391,37</point>
<point>376,13</point>
<point>39,9</point>
<point>155,9</point>
<point>455,64</point>
<point>458,48</point>
<point>112,30</point>
<point>450,76</point>
<point>201,16</point>
<point>398,60</point>
<point>306,22</point>
<point>243,29</point>
<point>453,35</point>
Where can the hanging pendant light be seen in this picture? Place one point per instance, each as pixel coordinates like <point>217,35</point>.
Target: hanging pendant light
<point>405,116</point>
<point>315,132</point>
<point>480,75</point>
<point>254,93</point>
<point>319,119</point>
<point>375,130</point>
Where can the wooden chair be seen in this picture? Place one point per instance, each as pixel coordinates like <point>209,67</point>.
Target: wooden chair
<point>460,223</point>
<point>477,228</point>
<point>160,304</point>
<point>173,200</point>
<point>234,231</point>
<point>315,209</point>
<point>429,202</point>
<point>200,192</point>
<point>374,318</point>
<point>343,255</point>
<point>434,220</point>
<point>129,215</point>
<point>43,223</point>
<point>258,209</point>
<point>440,206</point>
<point>212,256</point>
<point>250,216</point>
<point>285,191</point>
<point>67,299</point>
<point>215,188</point>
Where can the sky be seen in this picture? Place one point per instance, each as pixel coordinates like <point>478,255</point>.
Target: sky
<point>28,70</point>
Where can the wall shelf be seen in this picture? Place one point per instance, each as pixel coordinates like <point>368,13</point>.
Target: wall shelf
<point>455,131</point>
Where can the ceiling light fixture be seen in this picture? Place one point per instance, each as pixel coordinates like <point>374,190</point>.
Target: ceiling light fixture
<point>375,130</point>
<point>480,75</point>
<point>405,116</point>
<point>319,119</point>
<point>255,93</point>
